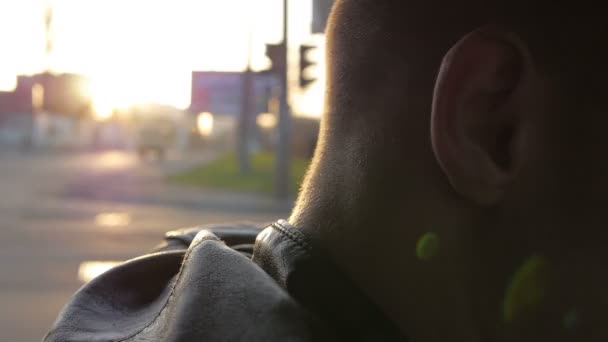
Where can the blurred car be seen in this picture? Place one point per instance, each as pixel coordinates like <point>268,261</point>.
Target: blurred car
<point>155,138</point>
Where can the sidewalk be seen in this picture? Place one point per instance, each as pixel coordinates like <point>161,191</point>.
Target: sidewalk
<point>51,225</point>
<point>146,184</point>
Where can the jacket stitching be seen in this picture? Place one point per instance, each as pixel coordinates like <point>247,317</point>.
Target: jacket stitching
<point>171,294</point>
<point>292,236</point>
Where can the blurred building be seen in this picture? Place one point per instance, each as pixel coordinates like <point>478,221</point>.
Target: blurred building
<point>8,103</point>
<point>45,110</point>
<point>220,93</point>
<point>62,94</point>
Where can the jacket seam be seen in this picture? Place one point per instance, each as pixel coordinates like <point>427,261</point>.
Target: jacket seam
<point>298,240</point>
<point>171,294</point>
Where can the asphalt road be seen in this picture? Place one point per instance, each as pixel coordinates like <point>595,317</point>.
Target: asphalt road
<point>59,211</point>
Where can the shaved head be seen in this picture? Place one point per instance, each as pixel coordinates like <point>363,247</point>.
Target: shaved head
<point>368,35</point>
<point>383,60</point>
<point>463,144</point>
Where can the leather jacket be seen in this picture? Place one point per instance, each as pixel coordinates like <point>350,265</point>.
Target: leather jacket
<point>224,283</point>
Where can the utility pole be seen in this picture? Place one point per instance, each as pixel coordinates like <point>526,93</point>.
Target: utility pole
<point>245,120</point>
<point>39,88</point>
<point>284,145</point>
<point>49,34</point>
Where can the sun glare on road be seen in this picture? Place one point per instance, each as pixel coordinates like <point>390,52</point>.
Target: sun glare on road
<point>114,160</point>
<point>112,220</point>
<point>90,270</point>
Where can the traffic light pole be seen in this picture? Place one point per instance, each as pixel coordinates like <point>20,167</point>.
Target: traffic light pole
<point>245,120</point>
<point>284,125</point>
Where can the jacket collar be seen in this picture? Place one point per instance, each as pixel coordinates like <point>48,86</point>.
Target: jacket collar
<point>313,280</point>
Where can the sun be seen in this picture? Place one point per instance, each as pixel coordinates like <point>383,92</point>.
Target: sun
<point>141,51</point>
<point>102,111</point>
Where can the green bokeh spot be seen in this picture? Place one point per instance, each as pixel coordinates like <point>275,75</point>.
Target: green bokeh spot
<point>526,290</point>
<point>571,320</point>
<point>427,247</point>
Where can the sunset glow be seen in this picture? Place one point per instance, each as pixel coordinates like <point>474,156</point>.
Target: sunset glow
<point>102,111</point>
<point>136,51</point>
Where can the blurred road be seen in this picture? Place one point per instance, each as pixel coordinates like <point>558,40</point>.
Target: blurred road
<point>60,210</point>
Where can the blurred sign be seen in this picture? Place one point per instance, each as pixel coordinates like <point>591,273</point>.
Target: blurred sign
<point>320,13</point>
<point>220,93</point>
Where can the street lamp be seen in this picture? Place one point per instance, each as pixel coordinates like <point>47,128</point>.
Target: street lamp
<point>204,124</point>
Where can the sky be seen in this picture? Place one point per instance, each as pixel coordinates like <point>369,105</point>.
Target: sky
<point>139,51</point>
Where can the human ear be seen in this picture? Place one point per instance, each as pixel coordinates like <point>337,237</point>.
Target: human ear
<point>476,112</point>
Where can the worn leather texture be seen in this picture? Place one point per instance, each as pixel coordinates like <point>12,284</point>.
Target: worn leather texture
<point>223,283</point>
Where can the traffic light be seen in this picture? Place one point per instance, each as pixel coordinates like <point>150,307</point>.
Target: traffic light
<point>277,55</point>
<point>305,64</point>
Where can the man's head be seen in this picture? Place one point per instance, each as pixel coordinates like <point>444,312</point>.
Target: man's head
<point>478,126</point>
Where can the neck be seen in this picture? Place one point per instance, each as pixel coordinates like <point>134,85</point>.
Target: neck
<point>419,296</point>
<point>370,229</point>
<point>458,296</point>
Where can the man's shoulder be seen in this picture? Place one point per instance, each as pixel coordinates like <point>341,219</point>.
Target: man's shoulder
<point>199,285</point>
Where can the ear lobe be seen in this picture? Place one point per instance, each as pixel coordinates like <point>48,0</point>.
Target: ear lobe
<point>476,113</point>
